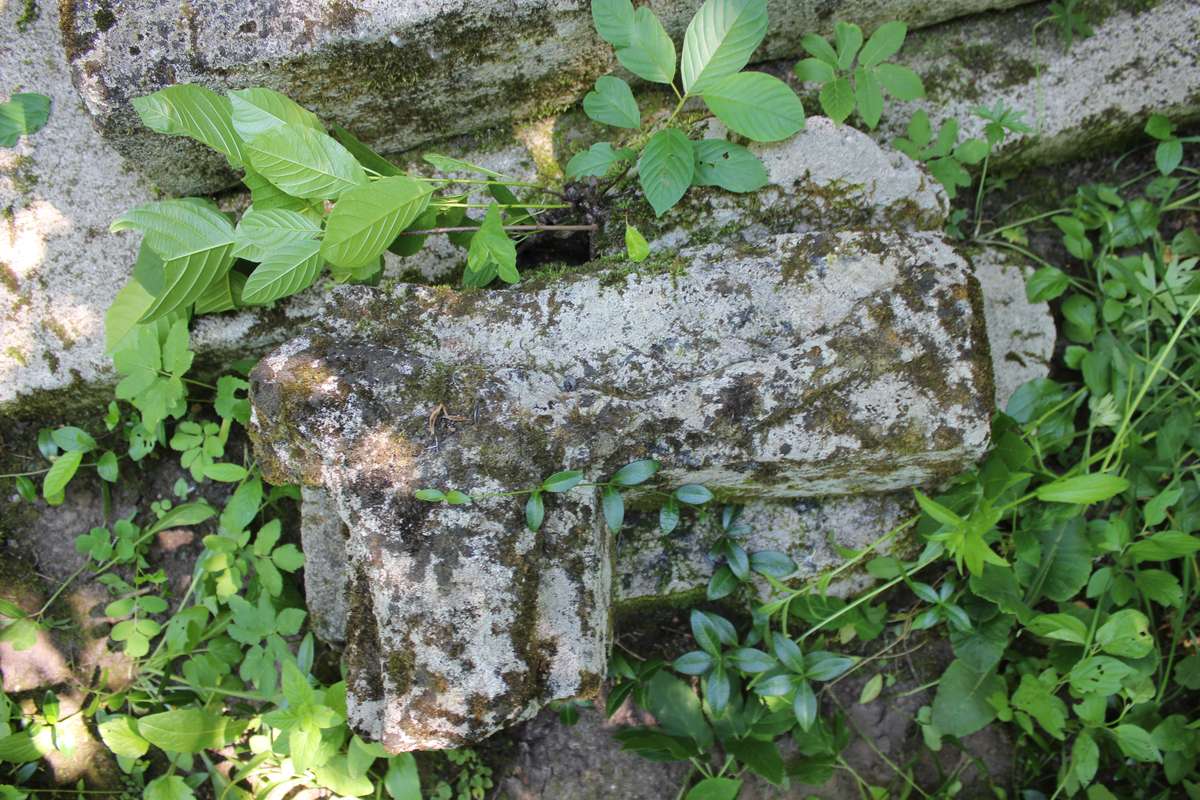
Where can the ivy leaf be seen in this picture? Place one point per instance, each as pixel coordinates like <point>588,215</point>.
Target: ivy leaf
<point>756,105</point>
<point>189,110</point>
<point>961,705</point>
<point>491,249</point>
<point>612,103</point>
<point>665,169</point>
<point>258,110</point>
<point>597,160</point>
<point>727,165</point>
<point>366,219</point>
<point>614,21</point>
<point>195,242</point>
<point>884,43</point>
<point>260,232</point>
<point>720,40</point>
<point>304,163</point>
<point>651,53</point>
<point>22,114</point>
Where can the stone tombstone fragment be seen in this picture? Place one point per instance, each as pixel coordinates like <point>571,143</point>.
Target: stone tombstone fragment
<point>803,365</point>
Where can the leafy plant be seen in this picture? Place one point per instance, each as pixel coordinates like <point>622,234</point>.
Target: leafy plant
<point>1070,20</point>
<point>854,75</point>
<point>22,114</point>
<point>719,42</point>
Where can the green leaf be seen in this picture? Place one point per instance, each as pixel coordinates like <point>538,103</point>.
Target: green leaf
<point>773,563</point>
<point>665,169</point>
<point>223,294</point>
<point>636,246</point>
<point>22,114</point>
<point>402,780</point>
<point>1035,699</point>
<point>720,40</point>
<point>176,358</point>
<point>368,218</point>
<point>365,155</point>
<point>260,232</point>
<point>1065,563</point>
<point>430,495</point>
<point>195,242</point>
<point>804,705</point>
<point>127,308</point>
<point>1085,758</point>
<point>961,705</point>
<point>188,730</point>
<point>1159,586</point>
<point>900,82</point>
<point>677,709</point>
<point>814,70</point>
<point>758,106</point>
<point>668,516</point>
<point>21,634</point>
<point>304,163</point>
<point>636,472</point>
<point>1137,743</point>
<point>106,467</point>
<point>614,508</point>
<point>1082,489</point>
<point>535,511</point>
<point>820,48</point>
<point>563,481</point>
<point>727,165</point>
<point>837,99</point>
<point>167,787</point>
<point>288,558</point>
<point>972,151</point>
<point>189,110</point>
<point>258,110</point>
<point>884,43</point>
<point>1126,633</point>
<point>693,494</point>
<point>1099,675</point>
<point>1062,627</point>
<point>225,473</point>
<point>60,474</point>
<point>868,96</point>
<point>1160,127</point>
<point>715,789</point>
<point>289,268</point>
<point>612,103</point>
<point>71,438</point>
<point>336,776</point>
<point>871,689</point>
<point>697,662</point>
<point>762,757</point>
<point>182,516</point>
<point>1045,284</point>
<point>848,38</point>
<point>121,736</point>
<point>614,21</point>
<point>1168,155</point>
<point>448,164</point>
<point>651,53</point>
<point>597,160</point>
<point>491,249</point>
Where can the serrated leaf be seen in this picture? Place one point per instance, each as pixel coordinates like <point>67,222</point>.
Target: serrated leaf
<point>189,110</point>
<point>258,110</point>
<point>727,165</point>
<point>612,103</point>
<point>848,38</point>
<point>837,99</point>
<point>195,242</point>
<point>756,105</point>
<point>814,70</point>
<point>720,40</point>
<point>367,219</point>
<point>260,232</point>
<point>597,160</point>
<point>304,162</point>
<point>868,96</point>
<point>884,43</point>
<point>665,169</point>
<point>290,268</point>
<point>651,53</point>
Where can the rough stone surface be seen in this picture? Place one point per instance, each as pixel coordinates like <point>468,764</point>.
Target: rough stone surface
<point>399,72</point>
<point>826,177</point>
<point>649,565</point>
<point>1021,333</point>
<point>1140,61</point>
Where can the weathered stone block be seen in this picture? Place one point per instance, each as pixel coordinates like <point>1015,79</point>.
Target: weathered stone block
<point>398,72</point>
<point>806,365</point>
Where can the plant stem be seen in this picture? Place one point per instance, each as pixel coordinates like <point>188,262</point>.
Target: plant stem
<point>534,228</point>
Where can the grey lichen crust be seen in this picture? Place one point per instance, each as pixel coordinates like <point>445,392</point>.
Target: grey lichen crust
<point>806,365</point>
<point>398,72</point>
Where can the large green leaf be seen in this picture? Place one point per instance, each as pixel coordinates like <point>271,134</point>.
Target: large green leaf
<point>188,110</point>
<point>126,309</point>
<point>22,114</point>
<point>1082,489</point>
<point>258,110</point>
<point>837,99</point>
<point>677,709</point>
<point>368,219</point>
<point>884,43</point>
<point>720,40</point>
<point>491,253</point>
<point>265,195</point>
<point>365,155</point>
<point>868,96</point>
<point>756,105</point>
<point>288,269</point>
<point>728,165</point>
<point>304,163</point>
<point>665,169</point>
<point>223,294</point>
<point>651,53</point>
<point>188,730</point>
<point>1064,565</point>
<point>960,706</point>
<point>612,103</point>
<point>260,232</point>
<point>195,242</point>
<point>614,21</point>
